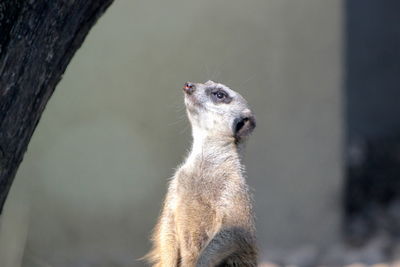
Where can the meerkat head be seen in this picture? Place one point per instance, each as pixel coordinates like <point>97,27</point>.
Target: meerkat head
<point>216,110</point>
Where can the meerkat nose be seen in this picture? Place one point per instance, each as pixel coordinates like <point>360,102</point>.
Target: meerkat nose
<point>189,88</point>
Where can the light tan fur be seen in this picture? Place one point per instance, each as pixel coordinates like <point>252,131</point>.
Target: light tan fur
<point>207,216</point>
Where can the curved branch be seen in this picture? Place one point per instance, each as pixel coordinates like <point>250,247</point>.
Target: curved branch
<point>37,41</point>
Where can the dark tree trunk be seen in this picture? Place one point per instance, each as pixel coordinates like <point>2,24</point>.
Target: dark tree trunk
<point>38,38</point>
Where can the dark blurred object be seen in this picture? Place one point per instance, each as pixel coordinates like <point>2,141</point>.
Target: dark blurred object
<point>372,189</point>
<point>372,182</point>
<point>372,67</point>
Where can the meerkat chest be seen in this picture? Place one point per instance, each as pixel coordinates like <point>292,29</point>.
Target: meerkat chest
<point>205,201</point>
<point>207,188</point>
<point>197,210</point>
<point>199,188</point>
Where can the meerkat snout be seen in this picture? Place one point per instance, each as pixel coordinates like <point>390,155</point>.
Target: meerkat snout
<point>188,88</point>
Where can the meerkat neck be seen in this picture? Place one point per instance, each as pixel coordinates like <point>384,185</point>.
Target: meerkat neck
<point>215,150</point>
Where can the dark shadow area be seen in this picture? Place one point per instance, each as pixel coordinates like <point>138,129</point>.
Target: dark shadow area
<point>372,58</point>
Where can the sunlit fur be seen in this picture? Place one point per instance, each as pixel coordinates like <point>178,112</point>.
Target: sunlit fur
<point>207,215</point>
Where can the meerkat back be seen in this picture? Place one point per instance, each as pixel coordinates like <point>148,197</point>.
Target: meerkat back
<point>207,217</point>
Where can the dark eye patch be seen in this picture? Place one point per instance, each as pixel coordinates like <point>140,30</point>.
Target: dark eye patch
<point>219,95</point>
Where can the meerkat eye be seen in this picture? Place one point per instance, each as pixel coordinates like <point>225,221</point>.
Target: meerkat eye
<point>220,95</point>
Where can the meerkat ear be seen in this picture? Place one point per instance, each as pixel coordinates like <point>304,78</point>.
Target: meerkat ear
<point>243,126</point>
<point>209,82</point>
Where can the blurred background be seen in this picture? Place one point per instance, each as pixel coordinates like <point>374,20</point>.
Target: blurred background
<point>323,80</point>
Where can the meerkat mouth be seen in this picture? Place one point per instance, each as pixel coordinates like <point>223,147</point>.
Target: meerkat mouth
<point>192,104</point>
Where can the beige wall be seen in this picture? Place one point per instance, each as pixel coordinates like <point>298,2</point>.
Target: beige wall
<point>95,173</point>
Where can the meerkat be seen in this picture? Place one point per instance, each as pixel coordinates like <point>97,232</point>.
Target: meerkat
<point>207,218</point>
